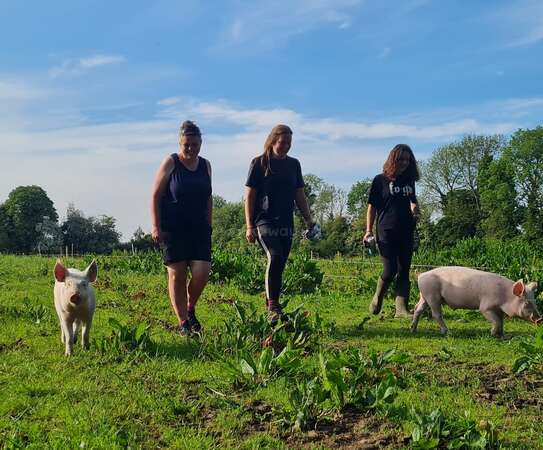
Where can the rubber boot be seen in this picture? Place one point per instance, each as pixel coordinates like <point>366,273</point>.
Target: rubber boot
<point>402,299</point>
<point>401,308</point>
<point>377,301</point>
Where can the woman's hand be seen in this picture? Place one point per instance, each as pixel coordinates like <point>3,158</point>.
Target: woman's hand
<point>250,235</point>
<point>367,236</point>
<point>157,235</point>
<point>416,212</point>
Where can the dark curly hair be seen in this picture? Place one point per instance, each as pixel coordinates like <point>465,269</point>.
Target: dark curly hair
<point>390,168</point>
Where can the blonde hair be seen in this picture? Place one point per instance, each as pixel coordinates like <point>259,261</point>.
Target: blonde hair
<point>276,131</point>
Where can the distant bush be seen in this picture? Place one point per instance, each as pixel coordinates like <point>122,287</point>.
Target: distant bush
<point>145,262</point>
<point>302,275</point>
<point>246,271</point>
<point>514,259</point>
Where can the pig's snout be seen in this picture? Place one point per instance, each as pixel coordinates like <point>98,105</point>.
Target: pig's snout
<point>75,298</point>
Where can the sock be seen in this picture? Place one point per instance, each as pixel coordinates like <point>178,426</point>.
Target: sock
<point>272,303</point>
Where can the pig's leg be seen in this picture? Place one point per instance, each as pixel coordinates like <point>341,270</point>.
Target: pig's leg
<point>435,305</point>
<point>497,322</point>
<point>76,327</point>
<point>419,309</point>
<point>61,329</point>
<point>86,333</point>
<point>67,328</point>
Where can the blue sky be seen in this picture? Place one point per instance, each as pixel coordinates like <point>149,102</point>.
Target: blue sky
<point>92,93</point>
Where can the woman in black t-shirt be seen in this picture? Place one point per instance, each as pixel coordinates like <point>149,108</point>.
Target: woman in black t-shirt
<point>273,185</point>
<point>392,201</point>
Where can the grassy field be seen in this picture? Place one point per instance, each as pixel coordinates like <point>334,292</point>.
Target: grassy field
<point>151,388</point>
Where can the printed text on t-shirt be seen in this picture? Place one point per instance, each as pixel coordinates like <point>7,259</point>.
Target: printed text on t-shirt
<point>395,190</point>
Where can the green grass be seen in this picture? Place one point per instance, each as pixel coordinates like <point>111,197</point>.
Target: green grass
<point>176,396</point>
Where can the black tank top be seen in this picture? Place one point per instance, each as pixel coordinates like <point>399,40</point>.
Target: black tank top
<point>185,202</point>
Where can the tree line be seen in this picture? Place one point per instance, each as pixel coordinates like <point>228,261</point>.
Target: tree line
<point>488,186</point>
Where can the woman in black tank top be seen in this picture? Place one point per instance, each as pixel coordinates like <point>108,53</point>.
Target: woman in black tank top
<point>181,210</point>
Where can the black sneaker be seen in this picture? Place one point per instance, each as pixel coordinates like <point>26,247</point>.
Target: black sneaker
<point>193,322</point>
<point>184,328</point>
<point>275,313</point>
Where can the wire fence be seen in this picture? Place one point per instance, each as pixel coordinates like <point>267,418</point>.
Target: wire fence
<point>354,262</point>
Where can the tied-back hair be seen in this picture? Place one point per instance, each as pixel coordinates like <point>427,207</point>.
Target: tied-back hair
<point>390,168</point>
<point>276,131</point>
<point>189,128</point>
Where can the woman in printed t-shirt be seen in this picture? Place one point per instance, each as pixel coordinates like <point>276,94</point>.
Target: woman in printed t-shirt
<point>273,185</point>
<point>392,201</point>
<point>181,209</point>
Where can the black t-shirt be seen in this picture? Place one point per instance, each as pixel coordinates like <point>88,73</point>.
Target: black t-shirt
<point>275,192</point>
<point>392,200</point>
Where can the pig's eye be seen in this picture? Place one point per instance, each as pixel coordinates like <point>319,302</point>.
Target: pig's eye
<point>83,284</point>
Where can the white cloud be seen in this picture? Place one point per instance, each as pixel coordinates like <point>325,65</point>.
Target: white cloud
<point>15,90</point>
<point>109,168</point>
<point>520,21</point>
<point>271,23</point>
<point>329,128</point>
<point>79,66</point>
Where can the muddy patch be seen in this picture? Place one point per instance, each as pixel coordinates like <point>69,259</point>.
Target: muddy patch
<point>499,386</point>
<point>354,430</point>
<point>19,344</point>
<point>140,295</point>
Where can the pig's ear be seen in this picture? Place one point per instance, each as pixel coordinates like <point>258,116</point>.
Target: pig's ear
<point>60,271</point>
<point>532,286</point>
<point>518,288</point>
<point>92,271</point>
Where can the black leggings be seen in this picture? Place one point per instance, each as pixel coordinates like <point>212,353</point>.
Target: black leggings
<point>276,242</point>
<point>396,249</point>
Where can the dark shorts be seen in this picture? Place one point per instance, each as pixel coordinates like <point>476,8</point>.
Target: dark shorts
<point>192,244</point>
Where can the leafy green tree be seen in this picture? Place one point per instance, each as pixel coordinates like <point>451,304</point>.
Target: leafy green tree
<point>26,208</point>
<point>456,166</point>
<point>313,187</point>
<point>335,234</point>
<point>229,225</point>
<point>104,235</point>
<point>218,201</point>
<point>5,244</point>
<point>50,237</point>
<point>357,200</point>
<point>357,229</point>
<point>76,230</point>
<point>460,219</point>
<point>89,235</point>
<point>143,241</point>
<point>498,196</point>
<point>526,155</point>
<point>426,224</point>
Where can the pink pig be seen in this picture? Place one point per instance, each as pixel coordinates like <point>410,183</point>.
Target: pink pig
<point>75,302</point>
<point>465,288</point>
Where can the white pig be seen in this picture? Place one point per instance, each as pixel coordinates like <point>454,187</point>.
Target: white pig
<point>465,288</point>
<point>75,302</point>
